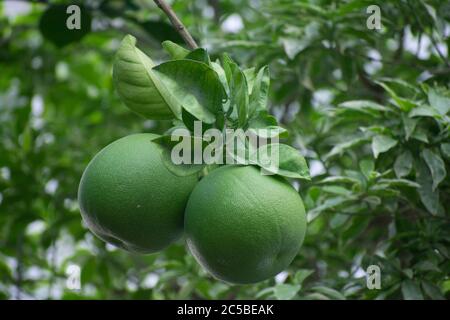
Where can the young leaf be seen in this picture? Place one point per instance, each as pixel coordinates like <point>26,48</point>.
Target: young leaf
<point>239,98</point>
<point>194,86</point>
<point>174,50</point>
<point>283,160</point>
<point>250,77</point>
<point>138,86</point>
<point>436,166</point>
<point>424,111</point>
<point>260,92</point>
<point>403,164</point>
<point>382,143</point>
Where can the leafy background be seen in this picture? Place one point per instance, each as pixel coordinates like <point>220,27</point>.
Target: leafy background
<point>367,108</point>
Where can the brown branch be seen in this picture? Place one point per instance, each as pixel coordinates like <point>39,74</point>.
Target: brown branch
<point>181,29</point>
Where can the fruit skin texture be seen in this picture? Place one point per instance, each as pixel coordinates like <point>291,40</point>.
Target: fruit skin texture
<point>244,227</point>
<point>128,198</point>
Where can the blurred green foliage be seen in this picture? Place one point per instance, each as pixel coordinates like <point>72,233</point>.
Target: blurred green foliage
<point>368,109</point>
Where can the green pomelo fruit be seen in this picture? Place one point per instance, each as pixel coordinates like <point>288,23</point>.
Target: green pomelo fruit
<point>128,198</point>
<point>242,226</point>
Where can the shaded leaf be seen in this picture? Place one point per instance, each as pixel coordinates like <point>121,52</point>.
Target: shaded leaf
<point>381,144</point>
<point>411,290</point>
<point>429,198</point>
<point>403,164</point>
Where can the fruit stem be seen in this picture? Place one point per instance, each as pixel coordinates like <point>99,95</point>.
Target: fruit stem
<point>179,26</point>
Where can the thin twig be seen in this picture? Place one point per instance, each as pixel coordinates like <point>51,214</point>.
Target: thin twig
<point>177,23</point>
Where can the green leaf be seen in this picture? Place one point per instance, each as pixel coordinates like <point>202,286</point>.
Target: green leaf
<point>381,144</point>
<point>420,134</point>
<point>445,148</point>
<point>301,275</point>
<point>293,46</point>
<point>326,205</point>
<point>398,183</point>
<point>367,166</point>
<point>336,190</point>
<point>260,91</point>
<point>338,179</point>
<point>250,76</point>
<point>52,25</point>
<point>433,291</point>
<point>438,101</point>
<point>138,86</point>
<point>194,86</point>
<point>429,198</point>
<point>411,290</point>
<point>402,103</point>
<point>266,126</point>
<point>174,50</point>
<point>436,166</point>
<point>222,77</point>
<point>239,98</point>
<point>283,160</point>
<point>424,111</point>
<point>286,291</point>
<point>403,164</point>
<point>166,144</point>
<point>409,125</point>
<point>329,292</point>
<point>364,106</point>
<point>338,220</point>
<point>199,54</point>
<point>341,147</point>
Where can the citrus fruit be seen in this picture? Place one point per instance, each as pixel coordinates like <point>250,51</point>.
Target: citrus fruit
<point>128,198</point>
<point>242,226</point>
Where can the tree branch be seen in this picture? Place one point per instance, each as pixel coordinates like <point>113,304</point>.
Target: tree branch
<point>177,23</point>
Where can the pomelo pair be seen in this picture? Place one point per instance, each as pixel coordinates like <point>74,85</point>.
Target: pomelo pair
<point>241,226</point>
